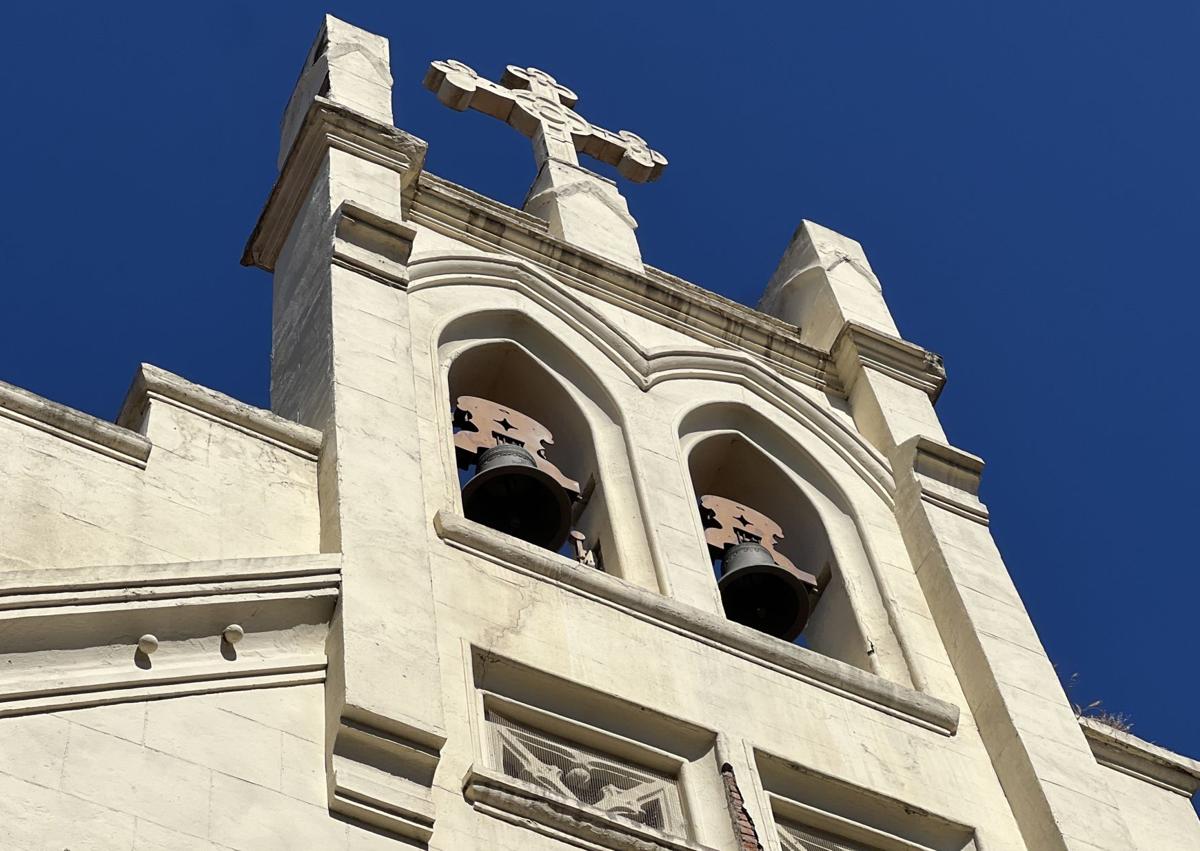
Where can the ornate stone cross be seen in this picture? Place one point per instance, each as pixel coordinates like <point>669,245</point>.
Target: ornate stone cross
<point>540,107</point>
<point>580,207</point>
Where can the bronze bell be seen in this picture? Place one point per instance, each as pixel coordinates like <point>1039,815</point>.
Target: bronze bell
<point>515,489</point>
<point>760,587</point>
<point>511,494</point>
<point>761,594</point>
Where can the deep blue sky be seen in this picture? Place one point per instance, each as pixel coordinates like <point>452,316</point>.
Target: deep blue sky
<point>1023,177</point>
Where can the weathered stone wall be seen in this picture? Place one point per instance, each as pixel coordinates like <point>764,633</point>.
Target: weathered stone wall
<point>242,770</point>
<point>220,483</point>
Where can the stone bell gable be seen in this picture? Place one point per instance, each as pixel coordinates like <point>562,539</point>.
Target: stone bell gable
<point>539,547</point>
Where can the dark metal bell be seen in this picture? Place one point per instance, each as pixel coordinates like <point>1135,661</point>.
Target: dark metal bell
<point>512,494</point>
<point>762,594</point>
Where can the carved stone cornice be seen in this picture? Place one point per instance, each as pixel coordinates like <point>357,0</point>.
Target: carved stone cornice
<point>73,426</point>
<point>1138,758</point>
<point>482,223</point>
<point>858,347</point>
<point>328,125</point>
<point>72,634</point>
<point>154,384</point>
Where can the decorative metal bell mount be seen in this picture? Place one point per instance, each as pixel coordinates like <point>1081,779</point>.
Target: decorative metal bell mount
<point>760,587</point>
<point>515,489</point>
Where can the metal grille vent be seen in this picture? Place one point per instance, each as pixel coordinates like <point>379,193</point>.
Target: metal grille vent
<point>585,776</point>
<point>796,838</point>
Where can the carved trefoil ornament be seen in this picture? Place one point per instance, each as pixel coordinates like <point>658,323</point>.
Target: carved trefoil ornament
<point>584,776</point>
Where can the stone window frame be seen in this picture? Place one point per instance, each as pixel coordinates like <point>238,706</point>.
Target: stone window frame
<point>626,546</point>
<point>853,606</point>
<point>492,792</point>
<point>856,834</point>
<point>845,809</point>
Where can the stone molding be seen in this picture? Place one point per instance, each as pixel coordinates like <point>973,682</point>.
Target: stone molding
<point>820,671</point>
<point>482,223</point>
<point>81,626</point>
<point>1138,758</point>
<point>784,809</point>
<point>123,441</point>
<point>860,347</point>
<point>648,367</point>
<point>857,813</point>
<point>73,426</point>
<point>371,245</point>
<point>495,794</point>
<point>153,383</point>
<point>947,477</point>
<point>77,588</point>
<point>327,125</point>
<point>384,777</point>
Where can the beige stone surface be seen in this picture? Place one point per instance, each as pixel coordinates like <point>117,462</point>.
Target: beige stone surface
<point>824,281</point>
<point>208,776</point>
<point>210,488</point>
<point>379,626</point>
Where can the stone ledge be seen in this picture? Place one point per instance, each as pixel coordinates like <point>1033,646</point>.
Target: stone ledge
<point>74,426</point>
<point>372,244</point>
<point>1138,758</point>
<point>101,688</point>
<point>858,346</point>
<point>805,796</point>
<point>503,797</point>
<point>151,382</point>
<point>75,587</point>
<point>817,670</point>
<point>947,477</point>
<point>960,837</point>
<point>72,633</point>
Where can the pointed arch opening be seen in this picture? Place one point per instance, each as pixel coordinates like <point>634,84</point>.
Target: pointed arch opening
<point>541,396</point>
<point>798,514</point>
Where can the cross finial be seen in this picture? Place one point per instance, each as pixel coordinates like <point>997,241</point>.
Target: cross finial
<point>540,107</point>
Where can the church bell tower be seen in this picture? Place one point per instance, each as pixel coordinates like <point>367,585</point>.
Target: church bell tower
<point>538,548</point>
<point>626,564</point>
